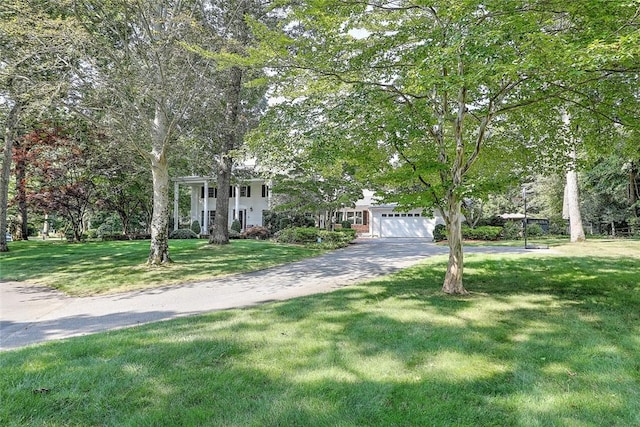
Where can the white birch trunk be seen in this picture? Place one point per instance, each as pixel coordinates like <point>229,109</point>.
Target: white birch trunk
<point>159,250</point>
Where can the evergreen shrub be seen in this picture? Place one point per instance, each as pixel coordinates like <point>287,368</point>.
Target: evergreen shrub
<point>486,232</point>
<point>440,233</point>
<point>235,226</point>
<point>195,227</point>
<point>183,233</point>
<point>534,230</point>
<point>511,230</point>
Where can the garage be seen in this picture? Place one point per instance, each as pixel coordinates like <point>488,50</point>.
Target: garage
<point>406,225</point>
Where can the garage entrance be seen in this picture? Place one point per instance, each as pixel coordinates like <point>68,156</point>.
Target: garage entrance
<point>406,226</point>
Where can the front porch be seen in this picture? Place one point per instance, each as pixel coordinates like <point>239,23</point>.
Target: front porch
<point>249,198</point>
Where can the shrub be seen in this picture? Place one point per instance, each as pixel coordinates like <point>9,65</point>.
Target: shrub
<point>350,231</point>
<point>195,227</point>
<point>334,239</point>
<point>183,233</point>
<point>306,234</point>
<point>92,234</point>
<point>440,233</point>
<point>494,221</point>
<point>235,235</point>
<point>235,226</point>
<point>70,235</point>
<point>557,226</point>
<point>345,224</point>
<point>634,226</point>
<point>257,232</point>
<point>310,235</point>
<point>511,230</point>
<point>534,230</point>
<point>286,235</point>
<point>284,223</point>
<point>486,232</point>
<point>110,237</point>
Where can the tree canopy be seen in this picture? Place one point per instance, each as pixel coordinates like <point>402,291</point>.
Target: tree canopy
<point>420,90</point>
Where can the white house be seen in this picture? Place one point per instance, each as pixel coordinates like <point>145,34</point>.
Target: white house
<point>250,198</point>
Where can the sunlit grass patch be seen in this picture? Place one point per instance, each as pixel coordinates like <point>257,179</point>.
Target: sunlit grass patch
<point>104,267</point>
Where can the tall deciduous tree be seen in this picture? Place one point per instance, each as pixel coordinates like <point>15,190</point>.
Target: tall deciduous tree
<point>37,54</point>
<point>61,176</point>
<point>232,105</point>
<point>146,80</point>
<point>422,88</point>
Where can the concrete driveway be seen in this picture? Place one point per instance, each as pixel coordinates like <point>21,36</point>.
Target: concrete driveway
<point>31,314</point>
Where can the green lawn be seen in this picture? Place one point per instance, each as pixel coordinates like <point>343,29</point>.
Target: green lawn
<point>542,340</point>
<point>103,267</point>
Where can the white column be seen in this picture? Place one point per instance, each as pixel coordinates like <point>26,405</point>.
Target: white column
<point>237,215</point>
<point>205,220</point>
<point>176,215</point>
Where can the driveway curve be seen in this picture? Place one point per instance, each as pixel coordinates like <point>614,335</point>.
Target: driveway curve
<point>32,314</point>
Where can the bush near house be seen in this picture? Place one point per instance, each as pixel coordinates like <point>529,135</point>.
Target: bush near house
<point>195,227</point>
<point>183,233</point>
<point>440,233</point>
<point>534,230</point>
<point>257,233</point>
<point>512,230</point>
<point>236,226</point>
<point>311,235</point>
<point>486,232</point>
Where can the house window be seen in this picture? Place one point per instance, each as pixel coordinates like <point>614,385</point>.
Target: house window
<point>212,192</point>
<point>384,215</point>
<point>356,218</point>
<point>265,190</point>
<point>245,191</point>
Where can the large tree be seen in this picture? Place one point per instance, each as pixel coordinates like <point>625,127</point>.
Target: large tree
<point>231,106</point>
<point>423,88</point>
<point>144,80</point>
<point>37,56</point>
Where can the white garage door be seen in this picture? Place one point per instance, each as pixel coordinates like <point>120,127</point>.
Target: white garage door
<point>407,227</point>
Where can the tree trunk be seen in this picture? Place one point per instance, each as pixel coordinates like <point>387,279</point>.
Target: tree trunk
<point>9,137</point>
<point>45,226</point>
<point>220,232</point>
<point>22,232</point>
<point>453,218</point>
<point>633,188</point>
<point>573,202</point>
<point>159,252</point>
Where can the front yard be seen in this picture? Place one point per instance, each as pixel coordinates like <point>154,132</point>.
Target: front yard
<point>543,339</point>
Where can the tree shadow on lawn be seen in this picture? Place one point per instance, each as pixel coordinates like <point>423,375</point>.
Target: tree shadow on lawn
<point>533,345</point>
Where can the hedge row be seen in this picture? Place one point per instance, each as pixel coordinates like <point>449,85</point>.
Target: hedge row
<point>310,235</point>
<point>485,232</point>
